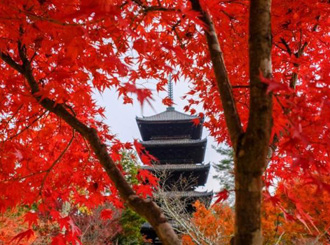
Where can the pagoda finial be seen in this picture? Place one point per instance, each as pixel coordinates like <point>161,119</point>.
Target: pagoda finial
<point>170,91</point>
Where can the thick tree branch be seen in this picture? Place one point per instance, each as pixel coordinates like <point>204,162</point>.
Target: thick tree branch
<point>146,208</point>
<point>6,58</point>
<point>224,87</point>
<point>260,115</point>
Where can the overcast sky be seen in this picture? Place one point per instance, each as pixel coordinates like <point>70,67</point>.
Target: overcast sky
<point>121,119</point>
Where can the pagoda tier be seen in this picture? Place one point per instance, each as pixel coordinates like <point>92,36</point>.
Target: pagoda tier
<point>169,124</point>
<point>179,151</point>
<point>181,176</point>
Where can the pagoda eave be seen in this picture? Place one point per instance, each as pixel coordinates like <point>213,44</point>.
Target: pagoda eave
<point>142,121</point>
<point>177,175</point>
<point>188,194</point>
<point>174,142</point>
<point>178,167</point>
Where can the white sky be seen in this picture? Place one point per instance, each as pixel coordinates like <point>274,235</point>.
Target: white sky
<point>121,119</point>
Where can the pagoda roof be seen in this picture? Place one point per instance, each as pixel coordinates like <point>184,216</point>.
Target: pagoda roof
<point>177,167</point>
<point>180,176</point>
<point>173,142</point>
<point>167,116</point>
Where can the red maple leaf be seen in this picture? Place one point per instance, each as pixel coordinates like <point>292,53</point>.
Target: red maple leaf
<point>196,121</point>
<point>143,190</point>
<point>221,196</point>
<point>147,176</point>
<point>31,218</point>
<point>28,234</point>
<point>273,85</point>
<point>167,101</point>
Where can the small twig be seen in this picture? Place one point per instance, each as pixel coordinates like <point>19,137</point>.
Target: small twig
<point>27,127</point>
<point>14,114</point>
<point>154,8</point>
<point>25,177</point>
<point>123,4</point>
<point>280,238</point>
<point>58,159</point>
<point>278,46</point>
<point>285,110</point>
<point>228,15</point>
<point>288,49</point>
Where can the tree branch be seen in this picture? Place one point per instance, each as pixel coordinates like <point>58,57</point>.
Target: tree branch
<point>241,86</point>
<point>286,45</point>
<point>260,42</point>
<point>145,208</point>
<point>6,58</point>
<point>224,86</point>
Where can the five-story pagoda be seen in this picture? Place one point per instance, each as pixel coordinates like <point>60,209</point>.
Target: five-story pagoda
<point>174,139</point>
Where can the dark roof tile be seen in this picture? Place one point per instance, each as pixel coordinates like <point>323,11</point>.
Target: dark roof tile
<point>169,115</point>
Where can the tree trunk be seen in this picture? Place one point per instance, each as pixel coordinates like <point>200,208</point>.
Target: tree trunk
<point>252,147</point>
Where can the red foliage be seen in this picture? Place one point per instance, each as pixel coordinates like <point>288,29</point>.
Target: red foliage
<point>221,196</point>
<point>77,47</point>
<point>106,214</point>
<point>23,235</point>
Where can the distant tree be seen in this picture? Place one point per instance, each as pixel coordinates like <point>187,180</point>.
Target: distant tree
<point>131,228</point>
<point>225,173</point>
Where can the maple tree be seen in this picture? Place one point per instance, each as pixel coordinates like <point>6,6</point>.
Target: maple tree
<point>261,74</point>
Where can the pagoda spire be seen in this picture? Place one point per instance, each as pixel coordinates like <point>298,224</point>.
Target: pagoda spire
<point>170,91</point>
